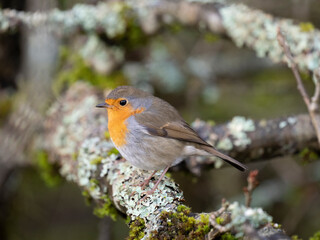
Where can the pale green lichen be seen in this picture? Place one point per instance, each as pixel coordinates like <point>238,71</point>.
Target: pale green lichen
<point>282,124</point>
<point>107,17</point>
<point>240,215</point>
<point>124,192</point>
<point>91,150</point>
<point>238,129</point>
<point>291,120</point>
<point>101,57</point>
<point>123,21</point>
<point>160,66</point>
<point>287,122</point>
<point>225,144</point>
<point>131,195</point>
<point>69,127</point>
<point>164,69</point>
<point>4,22</point>
<point>258,30</point>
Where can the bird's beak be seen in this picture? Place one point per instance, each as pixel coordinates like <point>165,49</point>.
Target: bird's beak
<point>103,105</point>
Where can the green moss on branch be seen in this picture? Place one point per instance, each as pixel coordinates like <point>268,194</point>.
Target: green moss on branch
<point>48,171</point>
<point>181,225</point>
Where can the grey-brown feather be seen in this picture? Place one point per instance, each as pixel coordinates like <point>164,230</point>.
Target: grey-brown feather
<point>170,124</point>
<point>162,132</point>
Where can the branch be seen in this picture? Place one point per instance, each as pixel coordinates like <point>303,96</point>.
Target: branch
<point>312,104</point>
<point>245,26</point>
<point>75,130</point>
<point>293,66</point>
<point>316,96</point>
<point>17,134</point>
<point>252,184</point>
<point>255,140</point>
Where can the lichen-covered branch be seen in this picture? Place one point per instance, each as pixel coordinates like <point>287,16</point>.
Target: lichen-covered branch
<point>115,19</point>
<point>311,103</point>
<point>76,139</point>
<point>255,140</point>
<point>17,134</point>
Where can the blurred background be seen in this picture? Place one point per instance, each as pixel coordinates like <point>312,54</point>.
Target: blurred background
<point>203,75</point>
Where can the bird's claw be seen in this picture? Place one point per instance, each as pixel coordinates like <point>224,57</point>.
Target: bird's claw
<point>146,194</point>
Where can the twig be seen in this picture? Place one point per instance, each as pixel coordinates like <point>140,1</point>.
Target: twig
<point>214,215</point>
<point>252,184</point>
<point>312,104</point>
<point>224,206</point>
<point>316,95</point>
<point>293,66</point>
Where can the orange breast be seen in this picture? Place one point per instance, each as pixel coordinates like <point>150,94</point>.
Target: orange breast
<point>117,128</point>
<point>117,123</point>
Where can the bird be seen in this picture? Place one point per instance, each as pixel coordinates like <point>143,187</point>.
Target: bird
<point>150,133</point>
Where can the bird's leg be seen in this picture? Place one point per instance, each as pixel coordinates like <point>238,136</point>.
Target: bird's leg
<point>145,182</point>
<point>155,186</point>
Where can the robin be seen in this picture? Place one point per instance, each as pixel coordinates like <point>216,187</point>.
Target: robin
<point>151,134</point>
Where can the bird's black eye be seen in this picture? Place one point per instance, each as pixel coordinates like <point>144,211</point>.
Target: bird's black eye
<point>123,102</point>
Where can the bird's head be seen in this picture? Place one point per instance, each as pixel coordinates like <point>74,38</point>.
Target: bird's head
<point>126,101</point>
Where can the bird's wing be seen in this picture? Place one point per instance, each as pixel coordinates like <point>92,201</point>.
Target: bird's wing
<point>179,130</point>
<point>163,120</point>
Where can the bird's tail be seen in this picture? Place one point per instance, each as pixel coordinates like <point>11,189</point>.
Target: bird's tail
<point>226,158</point>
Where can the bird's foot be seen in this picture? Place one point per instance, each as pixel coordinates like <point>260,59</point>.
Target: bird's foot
<point>121,159</point>
<point>146,194</point>
<point>150,192</point>
<point>145,182</point>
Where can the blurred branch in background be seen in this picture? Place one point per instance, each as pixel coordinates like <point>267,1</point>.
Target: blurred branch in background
<point>245,26</point>
<point>250,140</point>
<point>35,80</point>
<point>39,63</point>
<point>311,103</point>
<point>105,229</point>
